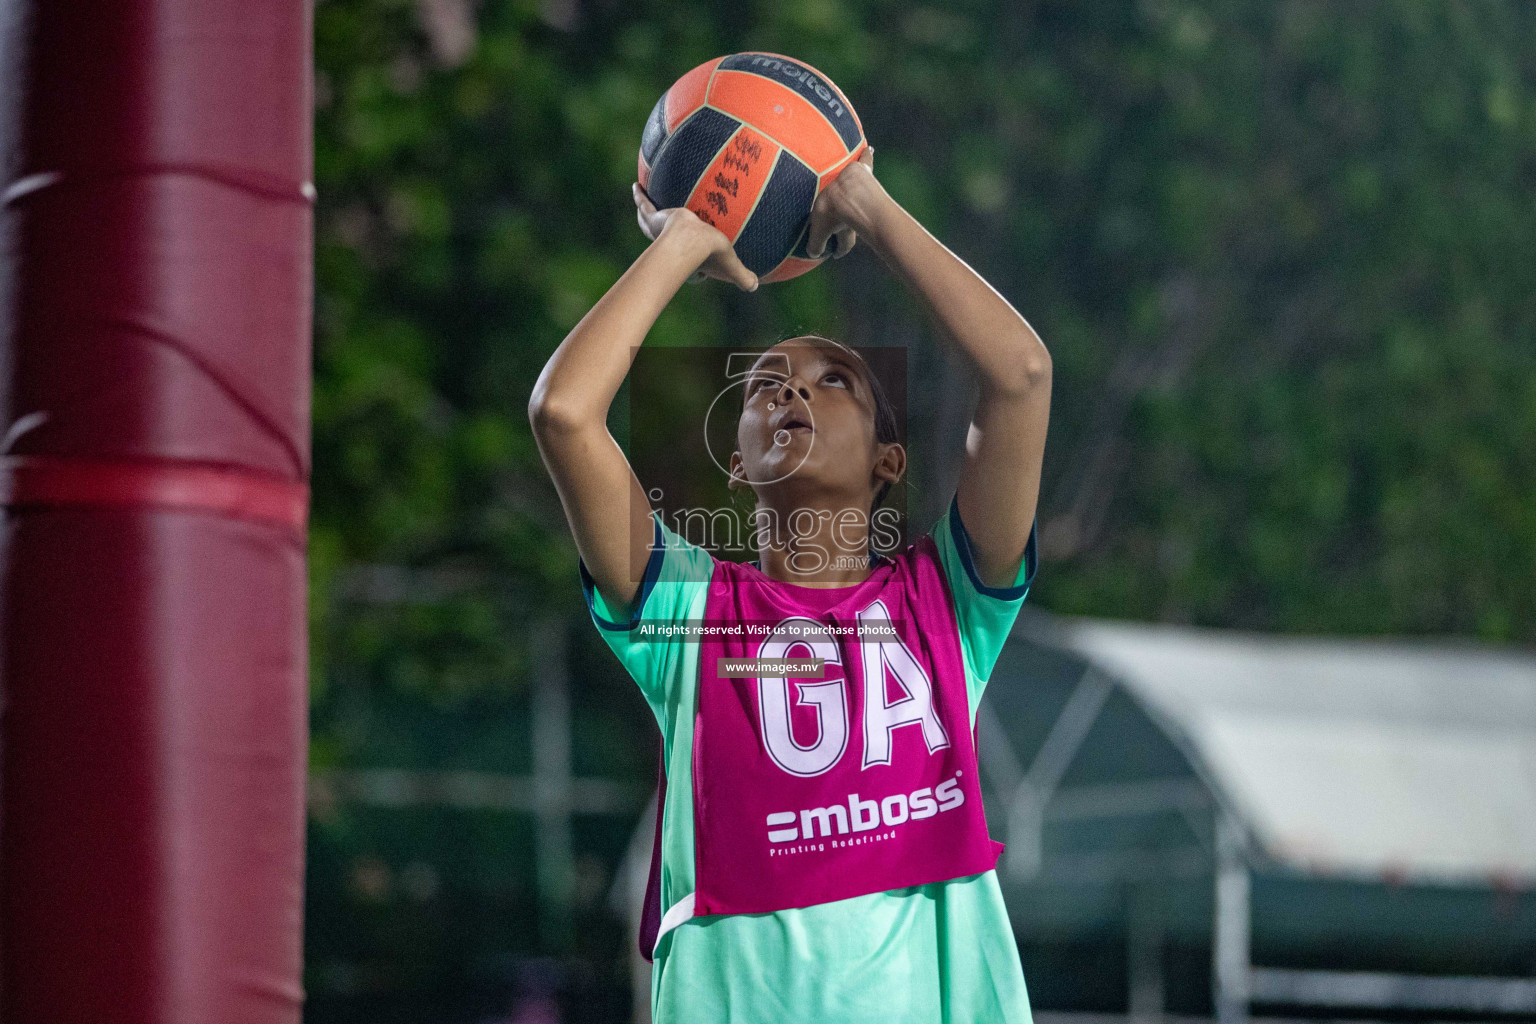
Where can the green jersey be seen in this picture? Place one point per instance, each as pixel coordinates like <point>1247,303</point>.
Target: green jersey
<point>941,952</point>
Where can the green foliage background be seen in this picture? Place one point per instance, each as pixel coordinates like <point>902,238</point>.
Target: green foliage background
<point>1281,251</point>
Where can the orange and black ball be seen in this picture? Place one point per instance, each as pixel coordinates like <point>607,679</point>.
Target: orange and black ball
<point>747,142</point>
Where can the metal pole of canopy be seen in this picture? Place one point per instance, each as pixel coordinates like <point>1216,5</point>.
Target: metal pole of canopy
<point>553,782</point>
<point>1230,959</point>
<point>1144,953</point>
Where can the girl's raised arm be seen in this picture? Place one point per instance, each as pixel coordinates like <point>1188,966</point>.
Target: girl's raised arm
<point>604,503</point>
<point>1000,476</point>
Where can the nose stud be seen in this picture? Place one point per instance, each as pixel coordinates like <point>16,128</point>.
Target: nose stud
<point>771,407</point>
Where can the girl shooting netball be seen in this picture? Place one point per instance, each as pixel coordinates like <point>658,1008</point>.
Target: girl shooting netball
<point>822,853</point>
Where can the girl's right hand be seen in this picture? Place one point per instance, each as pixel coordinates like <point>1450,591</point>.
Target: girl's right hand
<point>721,261</point>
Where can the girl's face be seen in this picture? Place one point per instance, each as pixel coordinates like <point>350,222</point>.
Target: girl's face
<point>808,416</point>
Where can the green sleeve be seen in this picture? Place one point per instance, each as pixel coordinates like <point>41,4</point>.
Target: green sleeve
<point>676,580</point>
<point>984,614</point>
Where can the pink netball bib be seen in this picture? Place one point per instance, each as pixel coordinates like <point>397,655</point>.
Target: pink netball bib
<point>808,790</point>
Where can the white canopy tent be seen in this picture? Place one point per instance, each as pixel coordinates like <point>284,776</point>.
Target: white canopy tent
<point>1355,807</point>
<point>1394,760</point>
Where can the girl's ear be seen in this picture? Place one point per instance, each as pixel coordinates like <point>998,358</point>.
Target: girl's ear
<point>891,463</point>
<point>738,473</point>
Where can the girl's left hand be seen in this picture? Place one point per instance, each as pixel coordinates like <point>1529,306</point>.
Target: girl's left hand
<point>844,208</point>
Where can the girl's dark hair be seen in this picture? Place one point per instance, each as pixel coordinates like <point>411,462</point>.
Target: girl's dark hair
<point>886,427</point>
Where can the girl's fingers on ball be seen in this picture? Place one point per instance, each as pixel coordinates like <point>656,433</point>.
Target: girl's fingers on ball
<point>846,239</point>
<point>740,275</point>
<point>816,244</point>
